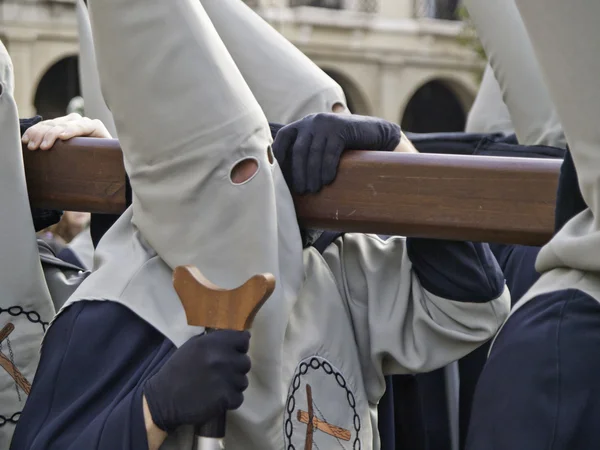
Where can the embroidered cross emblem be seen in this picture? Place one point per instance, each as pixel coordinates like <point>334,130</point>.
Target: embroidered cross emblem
<point>314,423</point>
<point>8,365</point>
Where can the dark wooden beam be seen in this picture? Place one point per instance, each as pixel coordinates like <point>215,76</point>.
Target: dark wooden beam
<point>506,200</point>
<point>83,174</point>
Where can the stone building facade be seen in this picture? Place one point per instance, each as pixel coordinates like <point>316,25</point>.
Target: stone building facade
<point>397,59</point>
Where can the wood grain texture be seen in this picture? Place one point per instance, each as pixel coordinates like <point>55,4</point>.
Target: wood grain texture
<point>210,306</point>
<point>479,198</point>
<point>325,427</point>
<point>6,330</point>
<point>308,443</point>
<point>16,375</point>
<point>83,174</point>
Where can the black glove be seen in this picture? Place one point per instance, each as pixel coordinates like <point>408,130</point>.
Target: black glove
<point>44,218</point>
<point>569,201</point>
<point>203,379</point>
<point>309,150</point>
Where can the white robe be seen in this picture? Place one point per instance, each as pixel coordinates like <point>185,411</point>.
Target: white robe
<point>564,36</point>
<point>516,68</point>
<point>25,303</point>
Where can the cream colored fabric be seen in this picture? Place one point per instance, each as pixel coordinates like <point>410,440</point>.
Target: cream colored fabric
<point>505,40</point>
<point>25,302</point>
<point>94,104</point>
<point>489,113</point>
<point>285,82</point>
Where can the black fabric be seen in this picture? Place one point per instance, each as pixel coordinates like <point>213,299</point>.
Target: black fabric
<point>518,265</point>
<point>326,239</point>
<point>481,144</point>
<point>500,147</point>
<point>458,271</point>
<point>449,143</point>
<point>87,391</point>
<point>44,218</point>
<point>539,389</point>
<point>569,201</point>
<point>204,378</point>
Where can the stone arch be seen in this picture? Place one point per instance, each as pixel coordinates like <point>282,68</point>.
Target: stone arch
<point>438,104</point>
<point>56,87</point>
<point>357,101</point>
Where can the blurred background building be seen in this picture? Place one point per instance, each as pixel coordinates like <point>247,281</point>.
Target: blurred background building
<point>402,60</point>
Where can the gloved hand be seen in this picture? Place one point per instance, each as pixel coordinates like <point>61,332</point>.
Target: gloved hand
<point>203,379</point>
<point>309,150</point>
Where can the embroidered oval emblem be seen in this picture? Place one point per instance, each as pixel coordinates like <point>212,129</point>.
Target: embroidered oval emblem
<point>320,410</point>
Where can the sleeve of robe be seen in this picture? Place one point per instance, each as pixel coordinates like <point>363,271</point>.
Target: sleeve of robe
<point>518,265</point>
<point>87,393</point>
<point>417,304</point>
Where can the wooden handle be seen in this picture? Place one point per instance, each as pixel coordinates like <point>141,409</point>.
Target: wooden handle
<point>210,306</point>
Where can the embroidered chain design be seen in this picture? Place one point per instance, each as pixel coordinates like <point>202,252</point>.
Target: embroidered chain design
<point>32,316</point>
<point>316,364</point>
<point>12,419</point>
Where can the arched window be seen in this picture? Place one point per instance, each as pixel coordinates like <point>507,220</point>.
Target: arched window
<point>433,108</point>
<point>58,86</point>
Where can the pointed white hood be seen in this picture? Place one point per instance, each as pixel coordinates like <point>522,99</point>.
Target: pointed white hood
<point>89,80</point>
<point>565,36</point>
<point>285,82</point>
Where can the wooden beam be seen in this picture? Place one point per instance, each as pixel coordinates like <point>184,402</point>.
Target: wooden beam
<point>492,199</point>
<point>83,174</point>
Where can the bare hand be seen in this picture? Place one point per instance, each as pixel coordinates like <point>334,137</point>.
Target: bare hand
<point>44,134</point>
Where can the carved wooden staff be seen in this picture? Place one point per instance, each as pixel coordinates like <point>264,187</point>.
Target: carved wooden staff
<point>478,198</point>
<point>214,308</point>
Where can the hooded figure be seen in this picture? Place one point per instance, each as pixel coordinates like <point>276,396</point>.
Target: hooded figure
<point>489,113</point>
<point>336,322</point>
<point>25,305</point>
<point>516,70</point>
<point>544,361</point>
<point>285,82</point>
<point>93,101</point>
